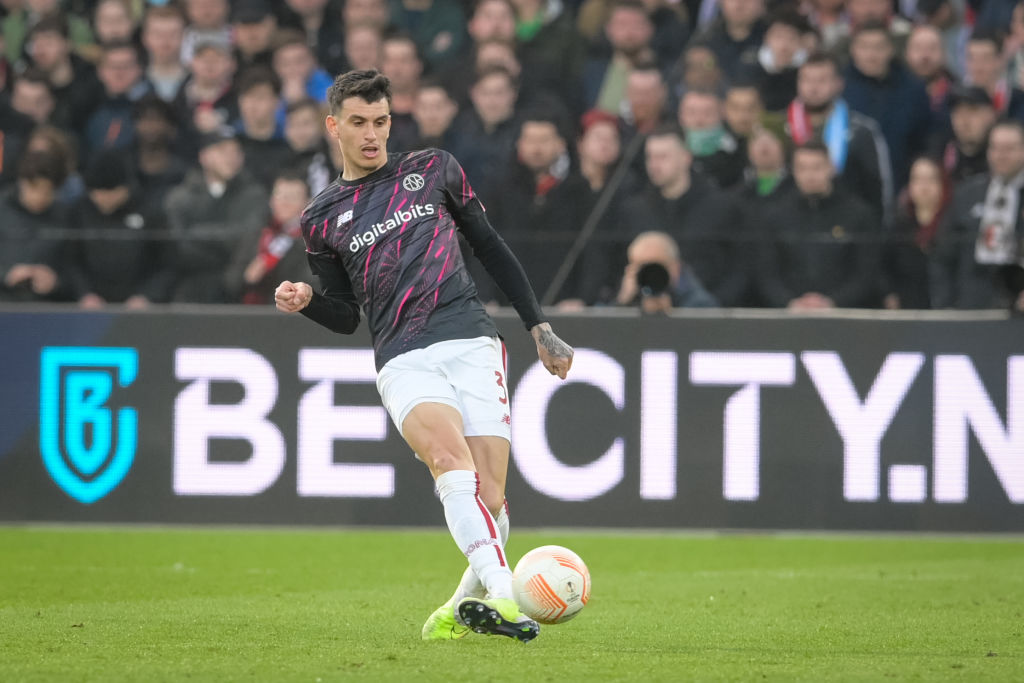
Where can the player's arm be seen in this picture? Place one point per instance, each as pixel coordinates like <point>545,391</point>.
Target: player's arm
<point>508,274</point>
<point>335,306</point>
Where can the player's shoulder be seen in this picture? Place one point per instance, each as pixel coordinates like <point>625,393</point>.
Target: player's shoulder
<point>423,159</point>
<point>324,201</point>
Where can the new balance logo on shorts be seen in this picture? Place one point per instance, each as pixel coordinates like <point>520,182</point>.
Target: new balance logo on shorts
<point>398,218</point>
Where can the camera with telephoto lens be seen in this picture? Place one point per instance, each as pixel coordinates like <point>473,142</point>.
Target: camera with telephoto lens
<point>652,279</point>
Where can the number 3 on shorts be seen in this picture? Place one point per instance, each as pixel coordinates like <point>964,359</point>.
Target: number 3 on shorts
<point>503,399</point>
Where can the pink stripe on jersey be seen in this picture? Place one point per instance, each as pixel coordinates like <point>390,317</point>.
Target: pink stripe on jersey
<point>440,250</point>
<point>431,162</point>
<point>401,305</point>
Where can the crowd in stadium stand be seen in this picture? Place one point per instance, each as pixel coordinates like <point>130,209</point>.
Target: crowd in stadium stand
<point>801,154</point>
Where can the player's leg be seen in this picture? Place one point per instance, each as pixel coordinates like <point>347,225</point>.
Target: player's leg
<point>434,431</point>
<point>490,456</point>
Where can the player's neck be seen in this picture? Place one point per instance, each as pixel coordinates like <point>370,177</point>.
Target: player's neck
<point>352,172</point>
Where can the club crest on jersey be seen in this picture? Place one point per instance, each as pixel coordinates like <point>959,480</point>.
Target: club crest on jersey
<point>344,218</point>
<point>400,217</point>
<point>413,182</point>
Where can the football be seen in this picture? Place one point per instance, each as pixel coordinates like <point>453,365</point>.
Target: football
<point>552,584</point>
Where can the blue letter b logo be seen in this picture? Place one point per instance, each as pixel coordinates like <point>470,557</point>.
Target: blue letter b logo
<point>86,449</point>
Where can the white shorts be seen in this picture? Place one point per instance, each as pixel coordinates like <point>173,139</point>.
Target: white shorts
<point>466,374</point>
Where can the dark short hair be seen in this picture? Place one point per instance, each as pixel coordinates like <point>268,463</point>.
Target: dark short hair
<point>35,76</point>
<point>300,104</point>
<point>668,129</point>
<point>293,175</point>
<point>116,45</point>
<point>816,145</point>
<point>54,22</point>
<point>369,85</point>
<point>872,26</point>
<point>255,76</point>
<point>823,58</point>
<point>496,70</point>
<point>987,35</point>
<point>43,166</point>
<point>1013,124</point>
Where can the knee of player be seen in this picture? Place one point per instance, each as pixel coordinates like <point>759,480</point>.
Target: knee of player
<point>441,459</point>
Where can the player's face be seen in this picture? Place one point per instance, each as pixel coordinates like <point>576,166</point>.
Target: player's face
<point>361,129</point>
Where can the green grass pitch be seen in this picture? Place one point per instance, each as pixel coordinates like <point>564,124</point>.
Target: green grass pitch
<point>123,604</point>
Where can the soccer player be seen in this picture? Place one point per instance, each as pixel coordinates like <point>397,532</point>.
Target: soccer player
<point>382,238</point>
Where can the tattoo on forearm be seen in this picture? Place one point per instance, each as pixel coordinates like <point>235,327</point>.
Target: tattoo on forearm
<point>553,345</point>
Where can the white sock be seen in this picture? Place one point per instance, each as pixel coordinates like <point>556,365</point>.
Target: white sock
<point>475,531</point>
<point>470,586</point>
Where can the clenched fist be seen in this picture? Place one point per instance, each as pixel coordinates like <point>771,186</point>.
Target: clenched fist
<point>292,297</point>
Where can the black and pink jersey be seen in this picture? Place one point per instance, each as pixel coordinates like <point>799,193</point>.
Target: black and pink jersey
<point>387,243</point>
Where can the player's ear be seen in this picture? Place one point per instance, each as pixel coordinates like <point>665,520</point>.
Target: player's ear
<point>332,125</point>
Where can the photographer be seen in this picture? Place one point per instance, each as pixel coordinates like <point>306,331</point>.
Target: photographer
<point>657,279</point>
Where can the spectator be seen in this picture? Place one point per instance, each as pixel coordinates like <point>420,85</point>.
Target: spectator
<point>375,13</point>
<point>278,253</point>
<point>925,59</point>
<point>75,86</point>
<point>599,149</point>
<point>253,25</point>
<point>265,151</point>
<point>821,253</point>
<point>542,202</point>
<point>110,126</point>
<point>207,23</point>
<point>295,64</point>
<point>217,210</point>
<point>551,51</point>
<point>32,96</point>
<point>766,181</point>
<point>16,128</point>
<point>1013,47</point>
<point>646,100</point>
<point>972,116</point>
<point>717,154</point>
<point>629,31</point>
<point>777,62</point>
<point>114,22</point>
<point>881,88</point>
<point>155,162</point>
<point>742,111</point>
<point>912,235</point>
<point>434,111</point>
<point>699,69</point>
<point>670,20</point>
<point>55,142</point>
<point>207,100</point>
<point>363,44</point>
<point>21,19</point>
<point>304,132</point>
<point>319,22</point>
<point>948,17</point>
<point>657,280</point>
<point>131,268</point>
<point>437,26</point>
<point>163,30</point>
<point>986,69</point>
<point>736,36</point>
<point>491,23</point>
<point>856,147</point>
<point>690,209</point>
<point>861,12</point>
<point>401,62</point>
<point>829,19</point>
<point>979,237</point>
<point>485,133</point>
<point>29,261</point>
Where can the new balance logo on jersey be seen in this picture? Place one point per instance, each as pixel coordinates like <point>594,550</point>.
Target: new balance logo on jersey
<point>344,218</point>
<point>400,217</point>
